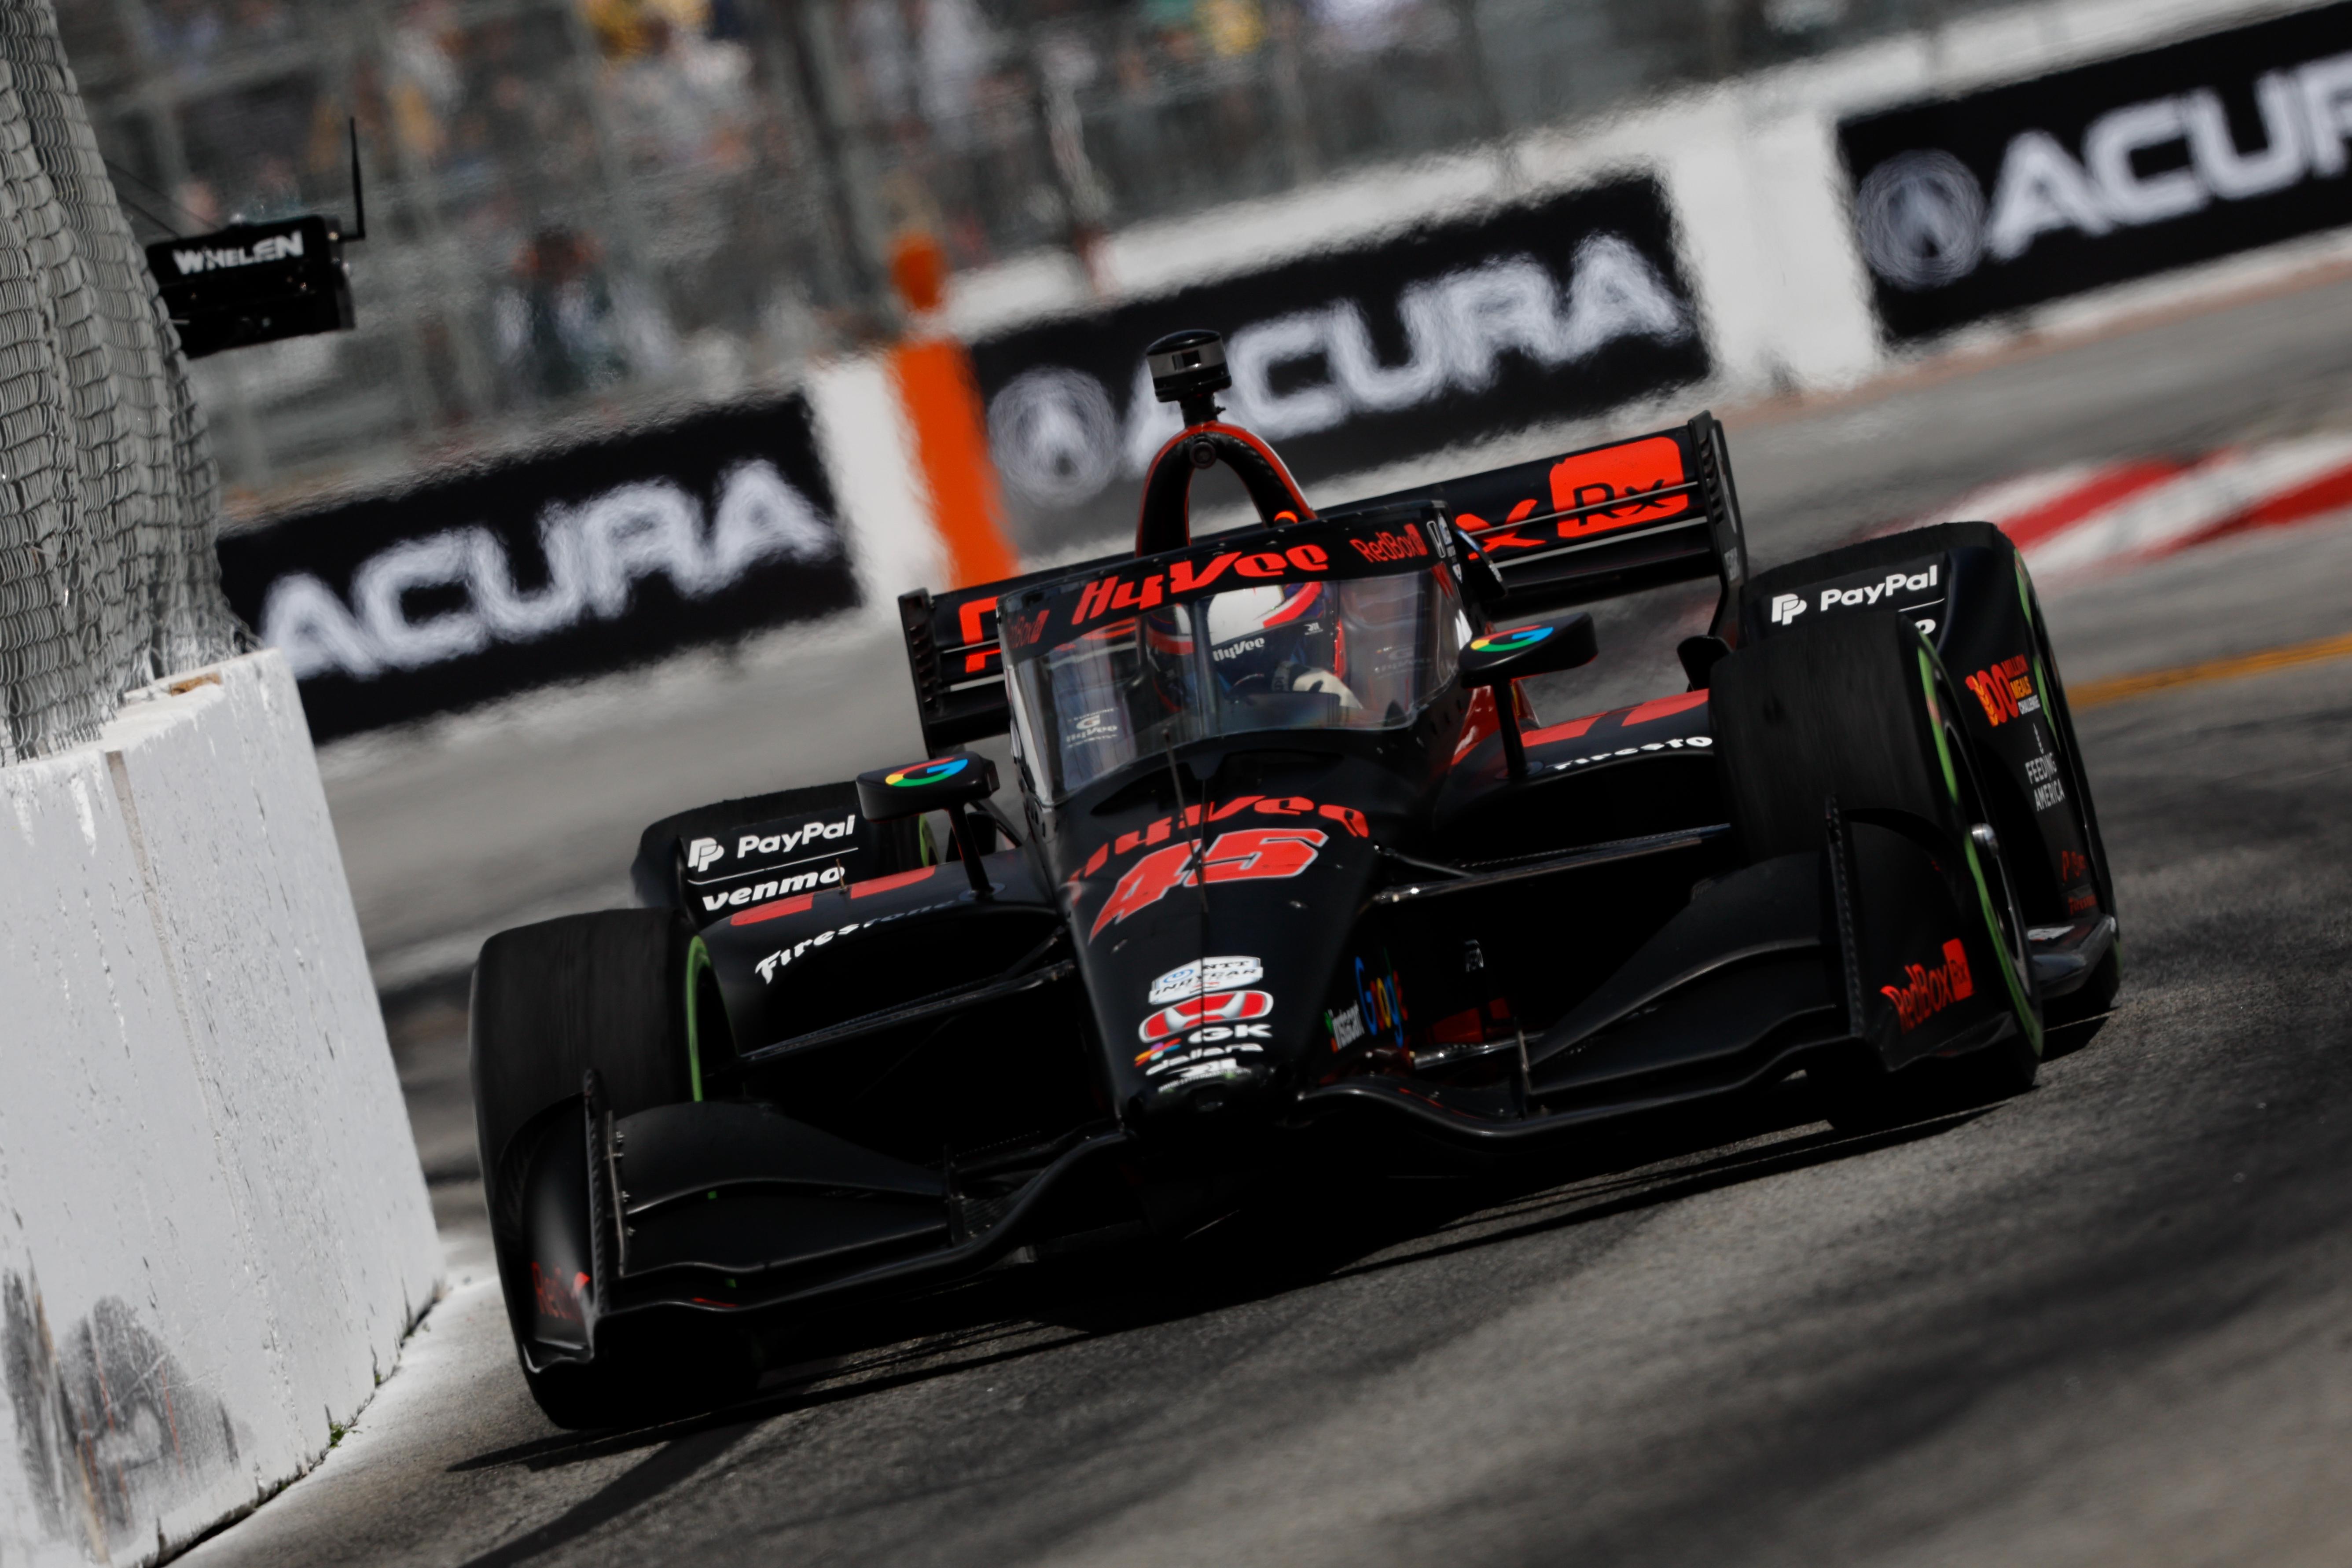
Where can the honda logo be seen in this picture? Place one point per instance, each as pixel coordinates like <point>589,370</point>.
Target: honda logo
<point>1217,1007</point>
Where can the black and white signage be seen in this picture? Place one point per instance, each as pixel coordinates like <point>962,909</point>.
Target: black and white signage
<point>1352,358</point>
<point>2017,194</point>
<point>547,569</point>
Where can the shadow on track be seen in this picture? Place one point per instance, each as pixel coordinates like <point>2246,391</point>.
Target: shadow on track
<point>1257,1253</point>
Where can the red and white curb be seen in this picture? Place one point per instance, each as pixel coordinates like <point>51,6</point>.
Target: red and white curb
<point>2088,516</point>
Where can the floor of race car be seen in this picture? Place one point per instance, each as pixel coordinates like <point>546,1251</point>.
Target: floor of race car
<point>2109,1321</point>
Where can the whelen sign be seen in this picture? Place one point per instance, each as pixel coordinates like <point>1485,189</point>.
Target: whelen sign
<point>1356,356</point>
<point>2005,198</point>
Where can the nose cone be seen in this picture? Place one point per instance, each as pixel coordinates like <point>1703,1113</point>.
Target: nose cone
<point>1211,1009</point>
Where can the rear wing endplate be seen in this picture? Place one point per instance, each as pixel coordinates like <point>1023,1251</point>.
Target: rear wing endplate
<point>952,653</point>
<point>1595,524</point>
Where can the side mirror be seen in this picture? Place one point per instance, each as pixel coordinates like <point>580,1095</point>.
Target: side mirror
<point>1510,653</point>
<point>942,784</point>
<point>950,783</point>
<point>1481,583</point>
<point>1540,647</point>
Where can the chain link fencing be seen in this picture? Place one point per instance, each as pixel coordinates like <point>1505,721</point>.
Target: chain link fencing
<point>107,495</point>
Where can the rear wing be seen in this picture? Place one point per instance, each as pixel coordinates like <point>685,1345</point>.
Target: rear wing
<point>1594,525</point>
<point>952,653</point>
<point>1605,522</point>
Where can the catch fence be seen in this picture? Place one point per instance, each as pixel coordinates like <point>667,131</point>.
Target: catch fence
<point>108,494</point>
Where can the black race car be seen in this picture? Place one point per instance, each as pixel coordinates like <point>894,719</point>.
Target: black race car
<point>1289,855</point>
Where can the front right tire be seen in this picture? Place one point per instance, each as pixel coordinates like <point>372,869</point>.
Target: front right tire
<point>629,994</point>
<point>1859,708</point>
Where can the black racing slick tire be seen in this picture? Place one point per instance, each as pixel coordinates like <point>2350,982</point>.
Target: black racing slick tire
<point>1858,709</point>
<point>629,992</point>
<point>2089,1003</point>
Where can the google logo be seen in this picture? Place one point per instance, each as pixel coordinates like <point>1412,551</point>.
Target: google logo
<point>1511,641</point>
<point>927,772</point>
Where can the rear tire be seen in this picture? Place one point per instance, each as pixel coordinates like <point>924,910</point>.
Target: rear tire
<point>1839,709</point>
<point>629,992</point>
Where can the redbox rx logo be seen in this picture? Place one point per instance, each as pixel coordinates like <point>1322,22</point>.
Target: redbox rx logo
<point>1926,991</point>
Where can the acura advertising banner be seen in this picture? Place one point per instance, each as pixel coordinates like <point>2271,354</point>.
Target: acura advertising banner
<point>1355,357</point>
<point>2011,196</point>
<point>560,565</point>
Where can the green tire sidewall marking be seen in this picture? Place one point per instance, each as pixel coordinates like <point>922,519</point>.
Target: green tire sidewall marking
<point>698,964</point>
<point>2022,1008</point>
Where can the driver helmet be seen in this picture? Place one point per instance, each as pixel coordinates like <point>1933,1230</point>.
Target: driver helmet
<point>1282,637</point>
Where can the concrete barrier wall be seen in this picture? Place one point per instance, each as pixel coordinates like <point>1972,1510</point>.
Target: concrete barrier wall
<point>213,1234</point>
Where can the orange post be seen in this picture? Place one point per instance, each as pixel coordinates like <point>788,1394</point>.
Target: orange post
<point>936,385</point>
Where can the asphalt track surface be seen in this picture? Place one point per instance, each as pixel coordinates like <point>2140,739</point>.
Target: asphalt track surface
<point>2106,1322</point>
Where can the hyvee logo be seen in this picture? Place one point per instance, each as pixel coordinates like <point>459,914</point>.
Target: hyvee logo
<point>1925,992</point>
<point>1348,358</point>
<point>1158,832</point>
<point>2107,172</point>
<point>596,552</point>
<point>1185,578</point>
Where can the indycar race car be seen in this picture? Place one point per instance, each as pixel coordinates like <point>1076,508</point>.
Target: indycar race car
<point>1288,854</point>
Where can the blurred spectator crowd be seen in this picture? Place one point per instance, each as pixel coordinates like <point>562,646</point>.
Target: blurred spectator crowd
<point>587,208</point>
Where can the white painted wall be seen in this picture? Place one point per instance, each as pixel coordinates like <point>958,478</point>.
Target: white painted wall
<point>214,1233</point>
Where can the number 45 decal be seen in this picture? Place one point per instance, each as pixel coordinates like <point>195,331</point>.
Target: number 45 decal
<point>1238,857</point>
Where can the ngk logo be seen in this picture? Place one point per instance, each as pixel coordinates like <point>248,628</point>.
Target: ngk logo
<point>1217,1007</point>
<point>1786,608</point>
<point>702,852</point>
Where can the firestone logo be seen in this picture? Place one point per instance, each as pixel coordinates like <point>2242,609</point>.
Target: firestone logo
<point>1926,991</point>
